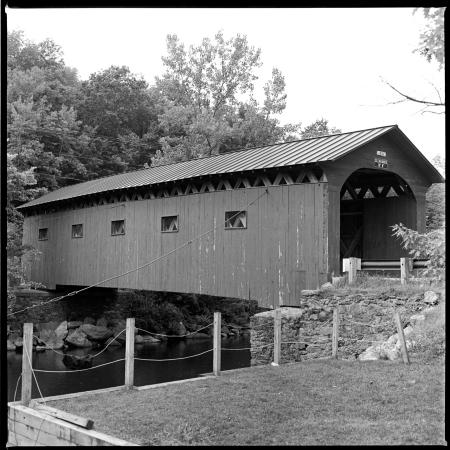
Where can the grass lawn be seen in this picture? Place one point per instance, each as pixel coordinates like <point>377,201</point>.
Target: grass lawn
<point>324,402</point>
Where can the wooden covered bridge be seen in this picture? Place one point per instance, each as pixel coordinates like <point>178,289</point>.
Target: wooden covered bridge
<point>260,223</point>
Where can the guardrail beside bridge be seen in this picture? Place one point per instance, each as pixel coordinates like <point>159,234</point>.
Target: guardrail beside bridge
<point>404,265</point>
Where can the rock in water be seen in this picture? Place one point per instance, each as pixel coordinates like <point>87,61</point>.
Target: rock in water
<point>77,362</point>
<point>198,335</point>
<point>96,333</point>
<point>50,339</point>
<point>89,320</point>
<point>10,346</point>
<point>148,338</point>
<point>102,322</point>
<point>62,330</point>
<point>74,324</point>
<point>78,339</point>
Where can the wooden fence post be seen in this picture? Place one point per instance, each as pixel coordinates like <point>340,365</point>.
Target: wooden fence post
<point>352,269</point>
<point>334,342</point>
<point>27,358</point>
<point>277,338</point>
<point>129,354</point>
<point>401,338</point>
<point>404,270</point>
<point>217,343</point>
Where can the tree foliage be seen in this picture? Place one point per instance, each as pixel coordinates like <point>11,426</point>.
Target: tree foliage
<point>429,246</point>
<point>319,128</point>
<point>432,39</point>
<point>208,105</point>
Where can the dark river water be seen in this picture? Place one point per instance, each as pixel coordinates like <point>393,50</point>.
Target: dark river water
<point>145,372</point>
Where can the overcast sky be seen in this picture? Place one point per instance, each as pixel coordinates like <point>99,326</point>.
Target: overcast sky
<point>333,60</point>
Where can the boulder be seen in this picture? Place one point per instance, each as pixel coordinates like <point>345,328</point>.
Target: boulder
<point>177,328</point>
<point>18,342</point>
<point>41,348</point>
<point>149,338</point>
<point>198,335</point>
<point>327,285</point>
<point>431,298</point>
<point>62,330</point>
<point>10,346</point>
<point>74,324</point>
<point>102,322</point>
<point>50,339</point>
<point>96,333</point>
<point>138,339</point>
<point>323,316</point>
<point>78,339</point>
<point>89,320</point>
<point>77,362</point>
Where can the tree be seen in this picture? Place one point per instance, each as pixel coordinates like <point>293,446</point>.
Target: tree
<point>208,107</point>
<point>435,199</point>
<point>122,110</point>
<point>318,128</point>
<point>432,47</point>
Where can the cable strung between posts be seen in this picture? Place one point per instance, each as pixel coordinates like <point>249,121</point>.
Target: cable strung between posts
<point>174,359</point>
<point>176,335</point>
<point>190,241</point>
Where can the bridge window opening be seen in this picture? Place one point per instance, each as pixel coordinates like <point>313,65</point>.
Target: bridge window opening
<point>169,224</point>
<point>77,230</point>
<point>43,234</point>
<point>373,200</point>
<point>117,227</point>
<point>235,219</point>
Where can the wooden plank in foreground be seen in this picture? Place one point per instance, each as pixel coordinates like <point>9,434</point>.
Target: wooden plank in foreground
<point>72,418</point>
<point>34,427</point>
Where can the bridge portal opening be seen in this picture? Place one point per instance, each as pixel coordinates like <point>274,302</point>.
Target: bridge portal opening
<point>372,201</point>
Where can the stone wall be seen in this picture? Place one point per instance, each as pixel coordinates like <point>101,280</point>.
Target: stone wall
<point>311,323</point>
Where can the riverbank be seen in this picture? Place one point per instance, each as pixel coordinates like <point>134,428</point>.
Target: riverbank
<point>312,403</point>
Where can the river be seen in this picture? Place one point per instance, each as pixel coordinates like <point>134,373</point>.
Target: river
<point>145,372</point>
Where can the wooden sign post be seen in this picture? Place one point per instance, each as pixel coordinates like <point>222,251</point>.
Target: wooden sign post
<point>401,338</point>
<point>334,342</point>
<point>129,354</point>
<point>217,342</point>
<point>277,338</point>
<point>352,270</point>
<point>27,357</point>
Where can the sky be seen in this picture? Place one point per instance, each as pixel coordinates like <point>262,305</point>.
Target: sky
<point>334,60</point>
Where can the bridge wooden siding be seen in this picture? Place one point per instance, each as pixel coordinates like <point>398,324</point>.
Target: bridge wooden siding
<point>282,251</point>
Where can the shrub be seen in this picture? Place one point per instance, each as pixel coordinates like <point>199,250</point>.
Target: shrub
<point>429,246</point>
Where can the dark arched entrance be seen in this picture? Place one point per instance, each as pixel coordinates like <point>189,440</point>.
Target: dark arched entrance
<point>373,200</point>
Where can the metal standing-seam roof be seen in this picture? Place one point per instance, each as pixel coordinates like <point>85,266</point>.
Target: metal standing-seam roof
<point>313,150</point>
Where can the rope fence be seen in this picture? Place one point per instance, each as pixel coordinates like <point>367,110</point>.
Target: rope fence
<point>29,373</point>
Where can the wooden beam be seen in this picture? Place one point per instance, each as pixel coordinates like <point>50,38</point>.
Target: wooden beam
<point>398,189</point>
<point>343,247</point>
<point>385,190</point>
<point>351,191</point>
<point>217,343</point>
<point>401,337</point>
<point>27,355</point>
<point>312,177</point>
<point>300,176</point>
<point>282,176</point>
<point>374,190</point>
<point>334,342</point>
<point>72,418</point>
<point>362,192</point>
<point>277,337</point>
<point>129,353</point>
<point>354,242</point>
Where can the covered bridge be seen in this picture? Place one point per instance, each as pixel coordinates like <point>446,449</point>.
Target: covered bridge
<point>260,223</point>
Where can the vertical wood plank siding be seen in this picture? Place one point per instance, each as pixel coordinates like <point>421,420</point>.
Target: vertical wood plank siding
<point>271,260</point>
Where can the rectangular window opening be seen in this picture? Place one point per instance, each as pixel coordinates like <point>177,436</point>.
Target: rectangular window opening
<point>43,234</point>
<point>117,227</point>
<point>235,219</point>
<point>169,224</point>
<point>77,230</point>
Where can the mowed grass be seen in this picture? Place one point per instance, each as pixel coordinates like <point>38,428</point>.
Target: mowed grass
<point>324,402</point>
